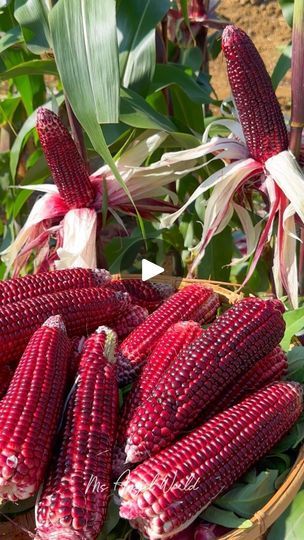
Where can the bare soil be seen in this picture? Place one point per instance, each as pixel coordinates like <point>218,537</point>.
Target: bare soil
<point>265,24</point>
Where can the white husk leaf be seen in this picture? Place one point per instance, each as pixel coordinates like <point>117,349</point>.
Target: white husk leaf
<point>79,240</point>
<point>287,174</point>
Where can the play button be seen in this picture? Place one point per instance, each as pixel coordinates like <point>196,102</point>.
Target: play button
<point>149,270</point>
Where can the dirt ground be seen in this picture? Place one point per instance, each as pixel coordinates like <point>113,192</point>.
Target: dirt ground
<point>264,22</point>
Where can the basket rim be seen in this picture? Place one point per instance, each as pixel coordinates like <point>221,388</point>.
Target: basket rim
<point>271,511</point>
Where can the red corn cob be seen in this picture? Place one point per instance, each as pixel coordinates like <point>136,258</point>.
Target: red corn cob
<point>29,412</point>
<point>194,302</point>
<point>129,320</point>
<point>201,372</point>
<point>167,492</point>
<point>166,349</point>
<point>258,108</point>
<point>6,375</point>
<point>67,166</point>
<point>82,310</point>
<point>144,293</point>
<point>267,370</point>
<point>16,289</point>
<point>74,500</point>
<point>74,359</point>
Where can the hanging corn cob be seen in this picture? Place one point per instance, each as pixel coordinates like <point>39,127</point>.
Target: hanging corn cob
<point>74,499</point>
<point>16,289</point>
<point>30,410</point>
<point>258,108</point>
<point>202,371</point>
<point>194,302</point>
<point>267,370</point>
<point>163,495</point>
<point>179,335</point>
<point>144,293</point>
<point>67,166</point>
<point>82,310</point>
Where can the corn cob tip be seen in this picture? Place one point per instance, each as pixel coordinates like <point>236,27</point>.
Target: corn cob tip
<point>56,321</point>
<point>102,276</point>
<point>45,114</point>
<point>230,32</point>
<point>110,343</point>
<point>133,453</point>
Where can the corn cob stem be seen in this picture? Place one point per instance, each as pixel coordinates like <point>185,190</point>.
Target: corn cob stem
<point>74,500</point>
<point>163,495</point>
<point>167,348</point>
<point>67,167</point>
<point>30,286</point>
<point>30,411</point>
<point>202,371</point>
<point>83,310</point>
<point>194,302</point>
<point>258,108</point>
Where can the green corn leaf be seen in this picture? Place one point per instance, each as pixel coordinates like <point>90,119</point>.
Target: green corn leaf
<point>287,9</point>
<point>294,323</point>
<point>136,112</point>
<point>85,44</point>
<point>7,109</point>
<point>225,518</point>
<point>32,15</point>
<point>290,525</point>
<point>84,37</point>
<point>12,37</point>
<point>170,74</point>
<point>32,67</point>
<point>296,364</point>
<point>246,499</point>
<point>282,66</point>
<point>136,21</point>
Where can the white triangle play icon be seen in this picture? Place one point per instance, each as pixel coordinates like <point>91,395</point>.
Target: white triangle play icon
<point>149,270</point>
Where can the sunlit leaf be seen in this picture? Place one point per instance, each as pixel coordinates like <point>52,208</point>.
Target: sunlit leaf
<point>85,44</point>
<point>287,9</point>
<point>294,323</point>
<point>32,15</point>
<point>136,21</point>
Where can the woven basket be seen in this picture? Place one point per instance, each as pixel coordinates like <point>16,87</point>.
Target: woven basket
<point>264,518</point>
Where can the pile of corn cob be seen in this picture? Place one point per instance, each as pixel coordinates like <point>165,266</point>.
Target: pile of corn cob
<point>207,398</point>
